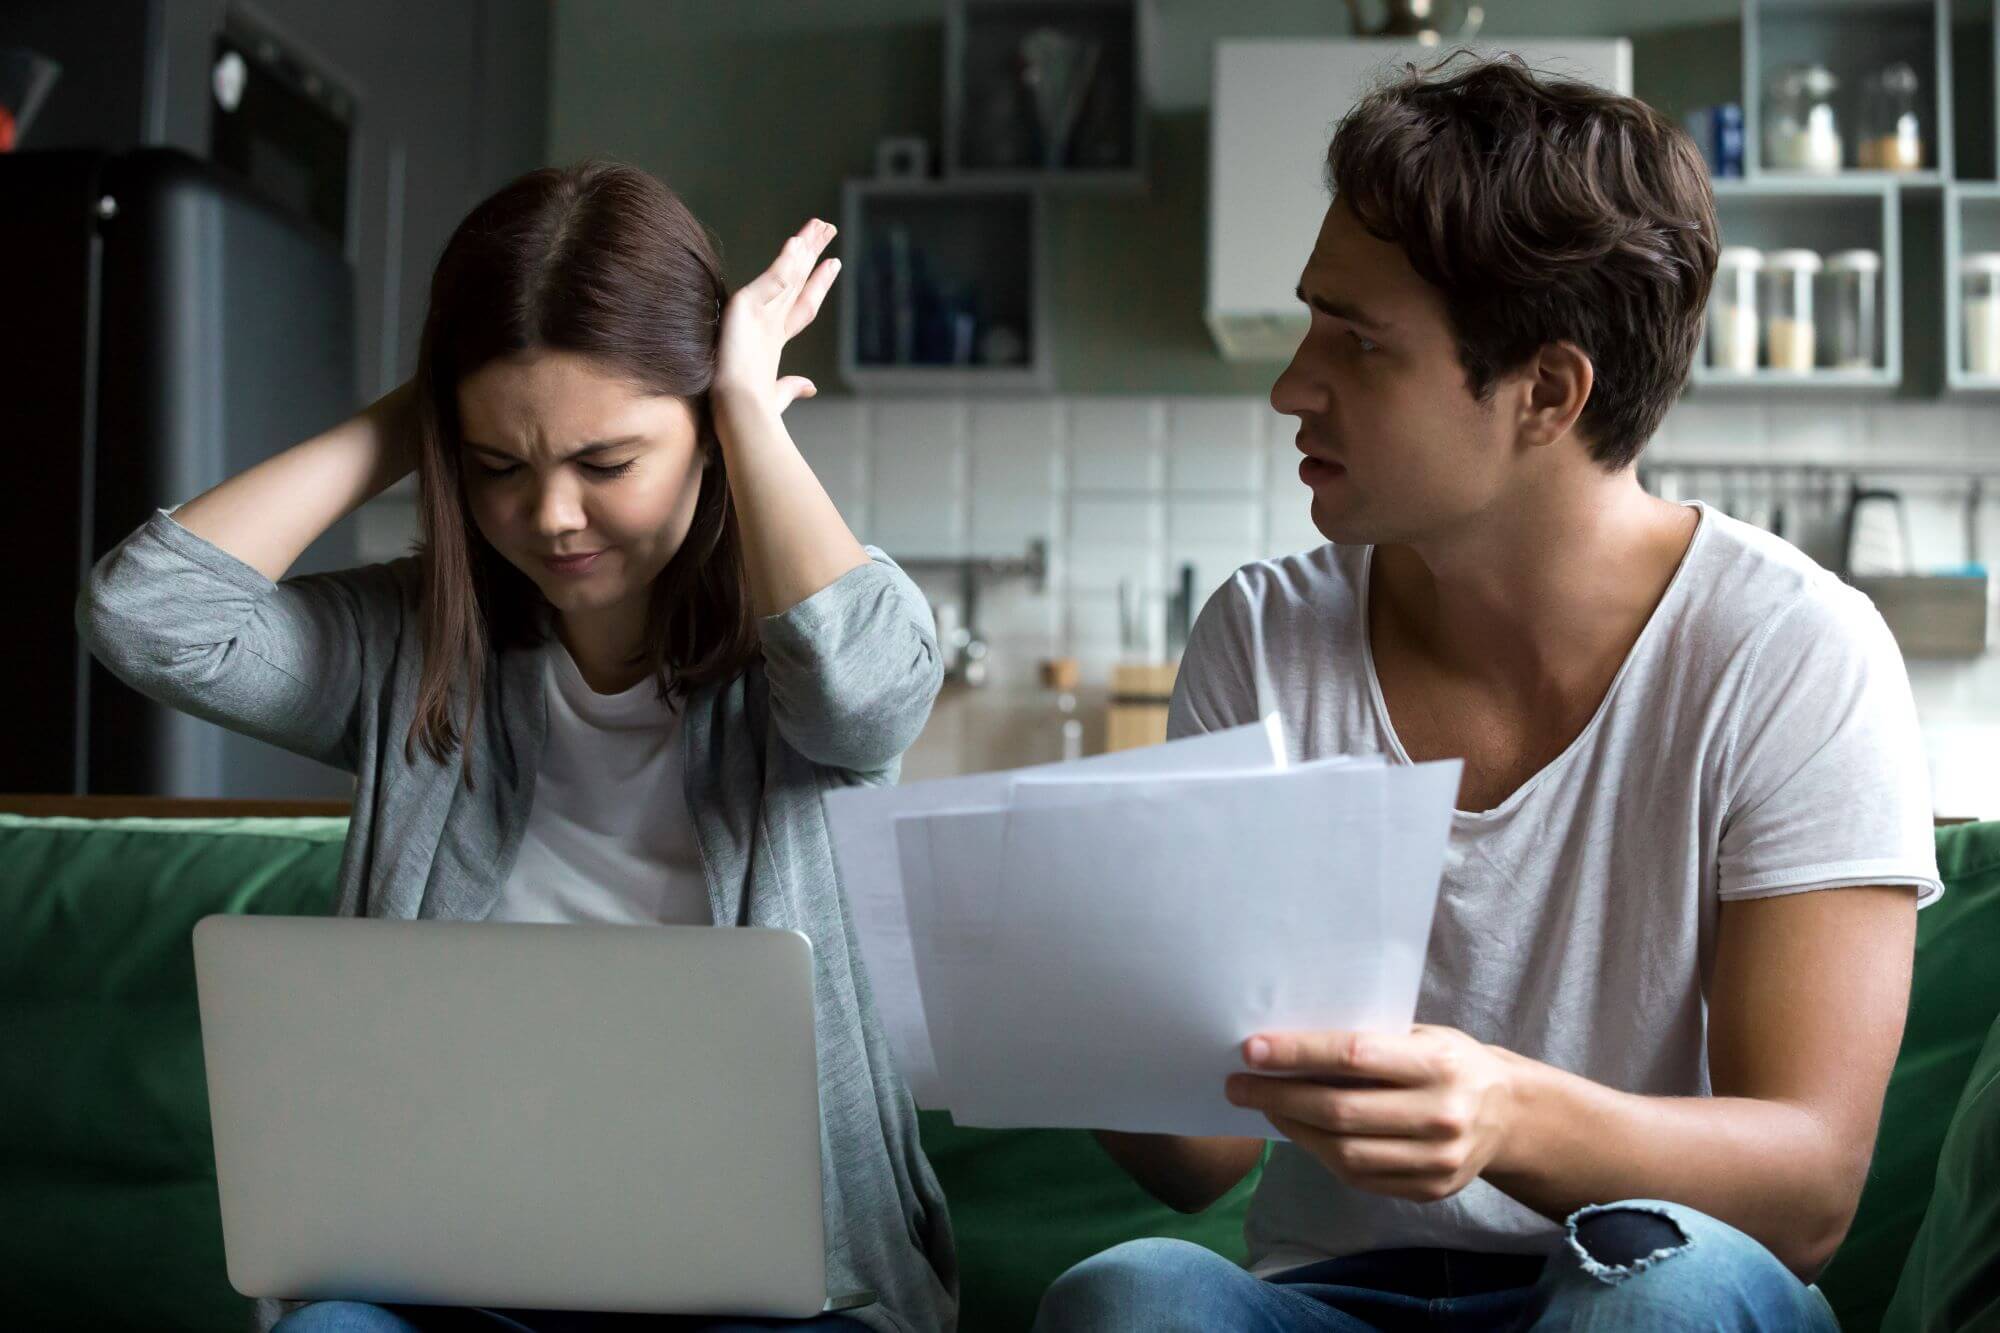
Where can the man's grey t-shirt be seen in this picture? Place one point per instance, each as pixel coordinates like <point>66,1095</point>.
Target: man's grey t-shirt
<point>1760,739</point>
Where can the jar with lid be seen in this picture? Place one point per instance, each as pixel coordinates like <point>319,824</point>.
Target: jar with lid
<point>1979,274</point>
<point>1801,130</point>
<point>1853,305</point>
<point>1733,322</point>
<point>1892,136</point>
<point>1790,336</point>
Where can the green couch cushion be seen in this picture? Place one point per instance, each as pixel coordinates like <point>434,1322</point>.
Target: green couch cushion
<point>108,1214</point>
<point>1953,1001</point>
<point>107,1198</point>
<point>1028,1203</point>
<point>1952,1280</point>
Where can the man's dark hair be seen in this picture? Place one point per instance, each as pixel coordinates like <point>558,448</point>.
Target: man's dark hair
<point>1546,211</point>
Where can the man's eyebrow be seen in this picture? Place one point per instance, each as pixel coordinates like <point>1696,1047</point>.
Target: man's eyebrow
<point>1341,310</point>
<point>587,451</point>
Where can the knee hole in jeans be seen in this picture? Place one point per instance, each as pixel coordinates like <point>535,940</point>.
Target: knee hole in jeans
<point>1621,1237</point>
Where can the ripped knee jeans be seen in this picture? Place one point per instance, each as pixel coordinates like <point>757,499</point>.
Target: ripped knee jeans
<point>1633,1266</point>
<point>1643,1264</point>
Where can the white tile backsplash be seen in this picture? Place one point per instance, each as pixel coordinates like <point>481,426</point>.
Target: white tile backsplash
<point>1288,524</point>
<point>919,500</point>
<point>1101,520</point>
<point>833,435</point>
<point>1117,444</point>
<point>1216,444</point>
<point>1095,568</point>
<point>1129,487</point>
<point>1004,524</point>
<point>1215,522</point>
<point>1017,447</point>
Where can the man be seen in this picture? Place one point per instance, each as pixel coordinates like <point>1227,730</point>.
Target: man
<point>1673,943</point>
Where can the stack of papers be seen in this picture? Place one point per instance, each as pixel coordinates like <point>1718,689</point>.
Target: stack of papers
<point>1087,945</point>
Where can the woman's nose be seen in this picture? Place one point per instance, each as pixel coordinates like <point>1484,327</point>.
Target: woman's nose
<point>558,508</point>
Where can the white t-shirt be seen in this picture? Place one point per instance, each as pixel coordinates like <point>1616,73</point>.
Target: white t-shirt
<point>1760,739</point>
<point>609,837</point>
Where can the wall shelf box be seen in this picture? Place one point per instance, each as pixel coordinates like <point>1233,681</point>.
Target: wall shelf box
<point>1826,214</point>
<point>1971,224</point>
<point>1852,38</point>
<point>993,130</point>
<point>948,288</point>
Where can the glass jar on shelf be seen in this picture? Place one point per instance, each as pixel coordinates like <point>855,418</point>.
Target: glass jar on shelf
<point>1801,128</point>
<point>1791,341</point>
<point>1853,309</point>
<point>1733,322</point>
<point>1979,276</point>
<point>1892,137</point>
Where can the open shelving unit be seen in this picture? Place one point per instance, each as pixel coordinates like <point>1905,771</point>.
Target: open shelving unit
<point>1954,46</point>
<point>992,131</point>
<point>1826,214</point>
<point>948,292</point>
<point>1851,37</point>
<point>1971,223</point>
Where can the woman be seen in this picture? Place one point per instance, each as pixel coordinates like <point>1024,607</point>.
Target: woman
<point>637,642</point>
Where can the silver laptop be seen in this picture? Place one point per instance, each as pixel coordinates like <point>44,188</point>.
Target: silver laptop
<point>516,1116</point>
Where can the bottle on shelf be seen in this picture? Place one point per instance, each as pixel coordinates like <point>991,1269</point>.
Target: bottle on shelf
<point>1801,129</point>
<point>1791,340</point>
<point>1979,276</point>
<point>1891,134</point>
<point>1733,321</point>
<point>1854,284</point>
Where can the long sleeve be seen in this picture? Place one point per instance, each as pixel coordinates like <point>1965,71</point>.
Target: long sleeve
<point>188,625</point>
<point>854,668</point>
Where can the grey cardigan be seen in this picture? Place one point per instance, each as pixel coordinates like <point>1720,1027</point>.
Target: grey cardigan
<point>327,666</point>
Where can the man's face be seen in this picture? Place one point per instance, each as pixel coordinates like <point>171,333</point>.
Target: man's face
<point>1397,449</point>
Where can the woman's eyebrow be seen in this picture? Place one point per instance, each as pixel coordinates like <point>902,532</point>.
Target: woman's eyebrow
<point>596,447</point>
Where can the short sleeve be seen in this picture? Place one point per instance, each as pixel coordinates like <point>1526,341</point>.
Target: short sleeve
<point>1215,687</point>
<point>1826,785</point>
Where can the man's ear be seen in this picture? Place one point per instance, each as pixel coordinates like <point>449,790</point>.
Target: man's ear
<point>1559,381</point>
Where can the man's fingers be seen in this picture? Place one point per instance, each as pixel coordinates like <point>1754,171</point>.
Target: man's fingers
<point>1384,1112</point>
<point>1399,1168</point>
<point>1382,1057</point>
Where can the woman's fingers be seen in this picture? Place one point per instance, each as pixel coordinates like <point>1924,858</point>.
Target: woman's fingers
<point>791,388</point>
<point>810,298</point>
<point>794,264</point>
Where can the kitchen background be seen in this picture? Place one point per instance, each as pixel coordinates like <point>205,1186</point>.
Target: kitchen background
<point>1039,416</point>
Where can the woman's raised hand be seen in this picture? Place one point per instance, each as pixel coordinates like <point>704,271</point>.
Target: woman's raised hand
<point>767,313</point>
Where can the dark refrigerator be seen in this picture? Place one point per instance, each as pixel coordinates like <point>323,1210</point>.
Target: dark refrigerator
<point>161,328</point>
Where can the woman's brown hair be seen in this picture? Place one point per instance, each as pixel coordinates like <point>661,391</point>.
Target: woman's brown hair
<point>1545,210</point>
<point>606,262</point>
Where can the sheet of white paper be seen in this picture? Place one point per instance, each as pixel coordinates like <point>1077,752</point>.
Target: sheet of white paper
<point>1038,788</point>
<point>860,821</point>
<point>951,873</point>
<point>1139,940</point>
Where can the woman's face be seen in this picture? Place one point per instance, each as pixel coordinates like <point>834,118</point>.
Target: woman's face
<point>584,482</point>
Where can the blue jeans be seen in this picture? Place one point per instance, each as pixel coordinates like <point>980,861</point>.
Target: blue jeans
<point>357,1317</point>
<point>1634,1266</point>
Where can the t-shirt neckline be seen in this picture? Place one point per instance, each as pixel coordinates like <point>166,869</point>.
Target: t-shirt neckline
<point>636,706</point>
<point>1521,793</point>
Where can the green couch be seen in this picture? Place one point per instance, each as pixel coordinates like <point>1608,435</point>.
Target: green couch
<point>107,1199</point>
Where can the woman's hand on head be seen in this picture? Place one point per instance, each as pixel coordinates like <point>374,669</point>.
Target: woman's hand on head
<point>769,312</point>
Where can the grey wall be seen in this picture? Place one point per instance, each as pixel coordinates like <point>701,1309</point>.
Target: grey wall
<point>453,98</point>
<point>755,112</point>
